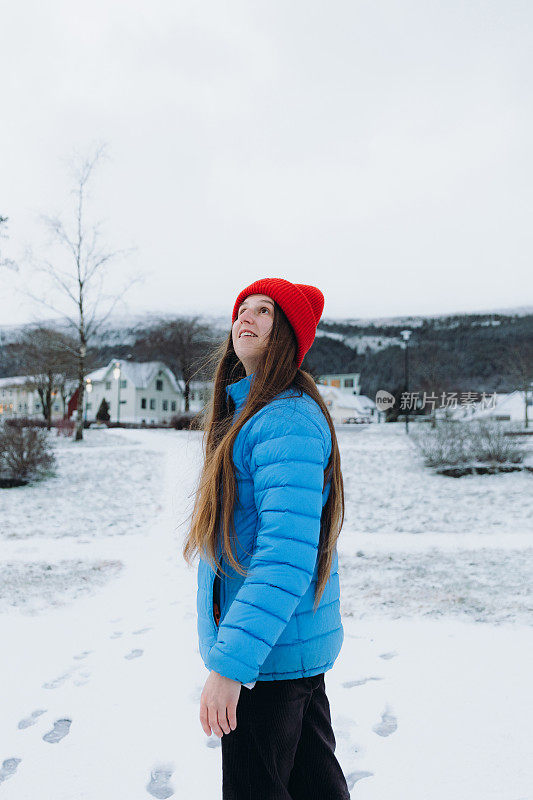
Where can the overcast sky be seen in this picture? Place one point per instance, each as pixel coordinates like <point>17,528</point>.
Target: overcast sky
<point>380,150</point>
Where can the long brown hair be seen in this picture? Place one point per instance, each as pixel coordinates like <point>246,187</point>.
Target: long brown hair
<point>276,372</point>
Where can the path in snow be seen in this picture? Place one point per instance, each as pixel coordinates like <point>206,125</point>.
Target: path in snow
<point>100,696</point>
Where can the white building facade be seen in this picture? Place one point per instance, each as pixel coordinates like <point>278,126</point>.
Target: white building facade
<point>19,398</point>
<point>139,392</point>
<point>345,407</point>
<point>348,381</point>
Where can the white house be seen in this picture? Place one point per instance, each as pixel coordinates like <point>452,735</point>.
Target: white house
<point>346,407</point>
<point>497,406</point>
<point>135,392</point>
<point>139,392</point>
<point>19,398</point>
<point>349,381</point>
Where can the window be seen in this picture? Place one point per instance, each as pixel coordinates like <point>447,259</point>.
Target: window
<point>88,406</point>
<point>165,405</point>
<point>108,384</point>
<point>159,385</point>
<point>123,383</point>
<point>152,404</point>
<point>143,402</point>
<point>336,382</point>
<point>173,405</point>
<point>348,383</point>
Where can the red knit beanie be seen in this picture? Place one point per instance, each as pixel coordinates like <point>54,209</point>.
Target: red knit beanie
<point>302,305</point>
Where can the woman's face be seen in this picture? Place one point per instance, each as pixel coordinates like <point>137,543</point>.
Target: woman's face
<point>255,315</point>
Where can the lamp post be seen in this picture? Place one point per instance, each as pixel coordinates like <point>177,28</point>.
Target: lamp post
<point>116,375</point>
<point>88,388</point>
<point>405,336</point>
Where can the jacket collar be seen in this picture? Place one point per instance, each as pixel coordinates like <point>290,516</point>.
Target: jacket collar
<point>239,390</point>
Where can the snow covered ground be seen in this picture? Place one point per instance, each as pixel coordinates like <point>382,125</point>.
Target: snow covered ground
<point>100,675</point>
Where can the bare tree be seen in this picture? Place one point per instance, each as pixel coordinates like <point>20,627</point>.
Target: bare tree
<point>519,366</point>
<point>5,262</point>
<point>48,358</point>
<point>182,343</point>
<point>78,271</point>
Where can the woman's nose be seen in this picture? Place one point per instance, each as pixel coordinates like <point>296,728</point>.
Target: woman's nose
<point>246,316</point>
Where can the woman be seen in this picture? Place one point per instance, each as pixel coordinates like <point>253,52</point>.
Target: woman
<point>268,512</point>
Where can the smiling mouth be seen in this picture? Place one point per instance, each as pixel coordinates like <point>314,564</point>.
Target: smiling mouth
<point>249,335</point>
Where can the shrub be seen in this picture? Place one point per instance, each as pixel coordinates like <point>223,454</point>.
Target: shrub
<point>65,427</point>
<point>102,415</point>
<point>25,452</point>
<point>468,444</point>
<point>25,422</point>
<point>183,421</point>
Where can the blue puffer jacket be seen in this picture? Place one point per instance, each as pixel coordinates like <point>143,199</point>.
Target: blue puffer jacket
<point>268,630</point>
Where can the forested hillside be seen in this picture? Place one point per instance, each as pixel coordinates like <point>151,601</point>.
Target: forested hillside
<point>459,353</point>
<point>471,352</point>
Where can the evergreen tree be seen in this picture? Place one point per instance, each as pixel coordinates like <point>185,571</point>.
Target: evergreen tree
<point>102,415</point>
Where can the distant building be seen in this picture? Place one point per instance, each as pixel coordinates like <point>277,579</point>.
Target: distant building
<point>19,398</point>
<point>498,407</point>
<point>138,392</point>
<point>348,381</point>
<point>345,407</point>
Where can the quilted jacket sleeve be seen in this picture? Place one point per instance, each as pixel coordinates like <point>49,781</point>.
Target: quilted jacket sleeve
<point>285,455</point>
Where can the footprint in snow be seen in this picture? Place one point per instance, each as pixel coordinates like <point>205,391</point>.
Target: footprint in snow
<point>8,768</point>
<point>116,635</point>
<point>134,654</point>
<point>59,731</point>
<point>142,630</point>
<point>79,656</point>
<point>85,675</point>
<point>353,777</point>
<point>214,742</point>
<point>159,785</point>
<point>387,725</point>
<point>32,719</point>
<point>57,681</point>
<point>388,655</point>
<point>351,684</point>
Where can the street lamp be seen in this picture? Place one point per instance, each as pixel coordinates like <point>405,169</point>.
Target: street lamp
<point>89,389</point>
<point>405,336</point>
<point>116,375</point>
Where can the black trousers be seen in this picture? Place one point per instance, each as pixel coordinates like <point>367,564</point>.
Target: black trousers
<point>283,747</point>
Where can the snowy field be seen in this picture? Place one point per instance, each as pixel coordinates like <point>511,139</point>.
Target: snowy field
<point>100,676</point>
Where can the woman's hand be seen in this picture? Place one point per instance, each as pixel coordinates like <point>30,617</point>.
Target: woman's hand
<point>218,704</point>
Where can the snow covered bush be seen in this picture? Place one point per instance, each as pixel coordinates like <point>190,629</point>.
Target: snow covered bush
<point>468,444</point>
<point>25,453</point>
